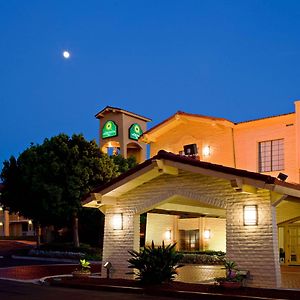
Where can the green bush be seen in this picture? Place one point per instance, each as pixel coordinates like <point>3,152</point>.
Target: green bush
<point>203,257</point>
<point>90,253</point>
<point>154,265</point>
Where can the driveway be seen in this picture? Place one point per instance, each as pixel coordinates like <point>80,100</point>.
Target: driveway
<point>20,291</point>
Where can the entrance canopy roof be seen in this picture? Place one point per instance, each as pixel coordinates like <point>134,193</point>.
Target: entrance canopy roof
<point>169,163</point>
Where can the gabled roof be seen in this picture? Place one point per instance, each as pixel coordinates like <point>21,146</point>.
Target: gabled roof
<point>179,115</point>
<point>107,109</point>
<point>206,168</point>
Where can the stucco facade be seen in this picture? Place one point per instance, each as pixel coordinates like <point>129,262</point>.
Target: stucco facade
<point>230,144</point>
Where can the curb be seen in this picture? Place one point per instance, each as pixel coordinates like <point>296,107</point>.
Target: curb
<point>63,260</point>
<point>164,293</point>
<point>45,259</point>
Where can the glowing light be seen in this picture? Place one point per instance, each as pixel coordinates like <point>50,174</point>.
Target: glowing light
<point>168,234</point>
<point>29,222</point>
<point>1,223</point>
<point>117,221</point>
<point>250,215</point>
<point>66,54</point>
<point>207,234</point>
<point>206,151</point>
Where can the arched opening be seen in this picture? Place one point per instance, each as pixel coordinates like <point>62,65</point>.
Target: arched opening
<point>135,150</point>
<point>288,221</point>
<point>111,148</point>
<point>193,225</point>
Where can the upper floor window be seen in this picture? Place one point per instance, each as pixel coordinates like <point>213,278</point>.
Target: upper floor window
<point>271,156</point>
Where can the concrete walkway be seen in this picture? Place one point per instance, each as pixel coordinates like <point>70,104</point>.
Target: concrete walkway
<point>189,273</point>
<point>290,275</point>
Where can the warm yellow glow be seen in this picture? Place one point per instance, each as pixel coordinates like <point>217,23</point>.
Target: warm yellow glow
<point>206,151</point>
<point>250,215</point>
<point>1,223</point>
<point>168,235</point>
<point>117,221</point>
<point>1,208</point>
<point>207,234</point>
<point>29,222</point>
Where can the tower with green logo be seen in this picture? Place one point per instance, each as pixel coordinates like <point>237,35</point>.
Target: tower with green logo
<point>120,131</point>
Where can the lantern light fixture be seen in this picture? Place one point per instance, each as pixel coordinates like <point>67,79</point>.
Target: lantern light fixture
<point>207,234</point>
<point>117,221</point>
<point>168,234</point>
<point>250,215</point>
<point>206,151</point>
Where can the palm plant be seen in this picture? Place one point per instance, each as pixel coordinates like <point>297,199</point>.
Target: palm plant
<point>154,265</point>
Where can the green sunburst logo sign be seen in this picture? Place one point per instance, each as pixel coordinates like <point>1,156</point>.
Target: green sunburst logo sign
<point>135,131</point>
<point>109,129</point>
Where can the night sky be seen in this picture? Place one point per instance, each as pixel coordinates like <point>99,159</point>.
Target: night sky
<point>232,59</point>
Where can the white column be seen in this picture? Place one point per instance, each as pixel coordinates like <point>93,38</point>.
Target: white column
<point>117,243</point>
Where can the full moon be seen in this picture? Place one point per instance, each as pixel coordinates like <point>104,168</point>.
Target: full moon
<point>66,54</point>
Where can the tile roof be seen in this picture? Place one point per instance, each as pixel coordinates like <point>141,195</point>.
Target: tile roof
<point>267,179</point>
<point>181,113</point>
<point>101,113</point>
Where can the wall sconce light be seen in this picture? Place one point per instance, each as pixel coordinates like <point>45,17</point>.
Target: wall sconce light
<point>206,151</point>
<point>1,223</point>
<point>250,215</point>
<point>207,234</point>
<point>117,221</point>
<point>1,208</point>
<point>29,222</point>
<point>168,234</point>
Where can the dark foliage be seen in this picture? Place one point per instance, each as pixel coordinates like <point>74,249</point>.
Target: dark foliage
<point>154,265</point>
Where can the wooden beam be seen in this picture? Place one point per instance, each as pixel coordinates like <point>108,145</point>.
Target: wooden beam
<point>277,198</point>
<point>181,214</point>
<point>163,168</point>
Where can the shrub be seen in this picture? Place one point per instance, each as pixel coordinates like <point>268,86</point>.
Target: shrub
<point>203,258</point>
<point>154,265</point>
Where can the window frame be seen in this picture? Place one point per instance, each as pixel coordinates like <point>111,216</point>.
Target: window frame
<point>275,156</point>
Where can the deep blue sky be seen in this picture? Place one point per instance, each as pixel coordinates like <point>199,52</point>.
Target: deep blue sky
<point>234,59</point>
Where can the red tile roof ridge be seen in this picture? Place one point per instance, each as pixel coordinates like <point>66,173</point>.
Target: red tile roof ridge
<point>179,112</point>
<point>121,110</point>
<point>162,154</point>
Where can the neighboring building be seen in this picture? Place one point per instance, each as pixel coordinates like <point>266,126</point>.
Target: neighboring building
<point>14,225</point>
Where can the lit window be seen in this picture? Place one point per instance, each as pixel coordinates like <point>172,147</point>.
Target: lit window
<point>271,156</point>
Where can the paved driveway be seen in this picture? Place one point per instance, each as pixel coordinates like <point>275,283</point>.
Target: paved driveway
<point>7,248</point>
<point>20,291</point>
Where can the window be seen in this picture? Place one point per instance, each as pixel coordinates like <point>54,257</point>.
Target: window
<point>271,156</point>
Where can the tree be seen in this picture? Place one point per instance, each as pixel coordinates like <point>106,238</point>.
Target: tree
<point>124,164</point>
<point>47,182</point>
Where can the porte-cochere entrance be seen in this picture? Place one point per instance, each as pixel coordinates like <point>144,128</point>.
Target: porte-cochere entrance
<point>183,199</point>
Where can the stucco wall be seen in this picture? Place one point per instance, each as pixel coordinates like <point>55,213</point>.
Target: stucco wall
<point>218,137</point>
<point>248,135</point>
<point>157,225</point>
